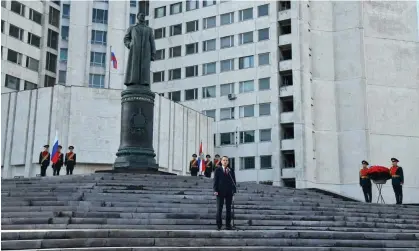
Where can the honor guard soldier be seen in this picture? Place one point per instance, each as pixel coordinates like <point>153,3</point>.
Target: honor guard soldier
<point>365,182</point>
<point>57,166</point>
<point>44,159</point>
<point>217,161</point>
<point>70,160</point>
<point>193,165</point>
<point>397,180</point>
<point>208,166</point>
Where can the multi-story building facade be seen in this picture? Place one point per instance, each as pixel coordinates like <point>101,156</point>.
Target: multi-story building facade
<point>29,44</point>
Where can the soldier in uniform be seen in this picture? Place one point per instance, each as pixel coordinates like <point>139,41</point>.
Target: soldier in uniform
<point>217,161</point>
<point>365,182</point>
<point>193,166</point>
<point>397,180</point>
<point>44,159</point>
<point>70,160</point>
<point>57,166</point>
<point>208,166</point>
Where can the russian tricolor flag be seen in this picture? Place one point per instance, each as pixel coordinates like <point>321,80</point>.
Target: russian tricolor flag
<point>114,61</point>
<point>55,154</point>
<point>201,159</point>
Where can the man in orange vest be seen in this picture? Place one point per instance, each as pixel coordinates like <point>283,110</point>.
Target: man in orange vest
<point>193,165</point>
<point>397,180</point>
<point>365,182</point>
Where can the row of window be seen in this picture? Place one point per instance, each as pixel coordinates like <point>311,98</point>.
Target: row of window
<point>32,63</point>
<point>249,162</point>
<point>243,137</point>
<point>176,8</point>
<point>14,83</point>
<point>211,68</point>
<point>20,9</point>
<point>245,111</point>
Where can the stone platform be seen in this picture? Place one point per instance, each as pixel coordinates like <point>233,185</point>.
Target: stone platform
<point>111,211</point>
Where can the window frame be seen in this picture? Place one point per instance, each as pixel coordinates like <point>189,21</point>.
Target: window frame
<point>231,42</point>
<point>231,113</point>
<point>160,74</point>
<point>244,108</point>
<point>264,106</point>
<point>195,71</point>
<point>231,87</point>
<point>195,94</point>
<point>242,12</point>
<point>205,92</point>
<point>205,23</point>
<point>207,42</point>
<point>231,18</point>
<point>205,70</point>
<point>173,74</point>
<point>230,62</point>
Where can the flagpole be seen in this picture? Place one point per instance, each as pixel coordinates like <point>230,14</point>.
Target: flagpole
<point>109,70</point>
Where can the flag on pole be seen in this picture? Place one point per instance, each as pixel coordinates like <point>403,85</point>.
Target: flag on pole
<point>55,154</point>
<point>114,61</point>
<point>201,159</point>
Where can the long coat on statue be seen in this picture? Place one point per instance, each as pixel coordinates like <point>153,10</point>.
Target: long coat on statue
<point>139,39</point>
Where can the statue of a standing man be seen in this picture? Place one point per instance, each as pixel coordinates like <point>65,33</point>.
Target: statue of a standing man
<point>139,39</point>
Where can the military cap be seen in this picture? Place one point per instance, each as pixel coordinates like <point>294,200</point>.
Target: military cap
<point>394,160</point>
<point>71,147</point>
<point>364,162</point>
<point>208,156</point>
<point>46,146</point>
<point>59,146</point>
<point>217,155</point>
<point>194,155</point>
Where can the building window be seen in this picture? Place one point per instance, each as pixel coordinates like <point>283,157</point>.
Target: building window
<point>227,42</point>
<point>160,12</point>
<point>160,33</point>
<point>287,131</point>
<point>264,84</point>
<point>247,163</point>
<point>246,62</point>
<point>97,81</point>
<point>175,8</point>
<point>35,16</point>
<point>227,65</point>
<point>263,10</point>
<point>246,38</point>
<point>158,76</point>
<point>62,76</point>
<point>246,111</point>
<point>132,3</point>
<point>192,26</point>
<point>227,138</point>
<point>32,64</point>
<point>226,89</point>
<point>285,52</point>
<point>52,39</point>
<point>192,5</point>
<point>174,96</point>
<point>144,7</point>
<point>99,37</point>
<point>209,68</point>
<point>16,32</point>
<point>100,16</point>
<point>265,162</point>
<point>191,94</point>
<point>97,59</point>
<point>227,18</point>
<point>284,5</point>
<point>263,58</point>
<point>191,71</point>
<point>246,86</point>
<point>264,109</point>
<point>286,78</point>
<point>263,34</point>
<point>2,25</point>
<point>191,48</point>
<point>176,29</point>
<point>14,57</point>
<point>49,81</point>
<point>288,159</point>
<point>12,82</point>
<point>207,3</point>
<point>208,92</point>
<point>175,74</point>
<point>265,135</point>
<point>51,64</point>
<point>209,45</point>
<point>175,51</point>
<point>18,8</point>
<point>210,113</point>
<point>287,104</point>
<point>227,113</point>
<point>30,86</point>
<point>284,27</point>
<point>64,32</point>
<point>66,11</point>
<point>247,137</point>
<point>132,19</point>
<point>54,17</point>
<point>210,22</point>
<point>246,14</point>
<point>160,54</point>
<point>3,3</point>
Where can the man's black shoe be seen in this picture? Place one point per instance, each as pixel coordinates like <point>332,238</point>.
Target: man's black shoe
<point>218,228</point>
<point>230,228</point>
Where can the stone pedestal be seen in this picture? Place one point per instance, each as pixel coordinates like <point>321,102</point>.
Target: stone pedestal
<point>136,151</point>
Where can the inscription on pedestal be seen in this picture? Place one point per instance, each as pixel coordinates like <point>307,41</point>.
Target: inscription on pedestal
<point>138,123</point>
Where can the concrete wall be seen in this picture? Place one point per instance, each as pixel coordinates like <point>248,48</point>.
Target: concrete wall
<point>89,119</point>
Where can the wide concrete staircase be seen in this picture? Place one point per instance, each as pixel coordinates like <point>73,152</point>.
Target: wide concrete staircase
<point>156,212</point>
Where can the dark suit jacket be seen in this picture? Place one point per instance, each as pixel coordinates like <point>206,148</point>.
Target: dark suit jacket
<point>224,184</point>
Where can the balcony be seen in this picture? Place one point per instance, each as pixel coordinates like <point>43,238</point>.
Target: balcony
<point>287,144</point>
<point>288,173</point>
<point>287,117</point>
<point>286,91</point>
<point>285,39</point>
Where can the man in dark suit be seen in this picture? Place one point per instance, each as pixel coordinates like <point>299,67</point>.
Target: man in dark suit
<point>224,189</point>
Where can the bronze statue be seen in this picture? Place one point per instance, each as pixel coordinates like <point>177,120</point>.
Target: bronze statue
<point>139,39</point>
